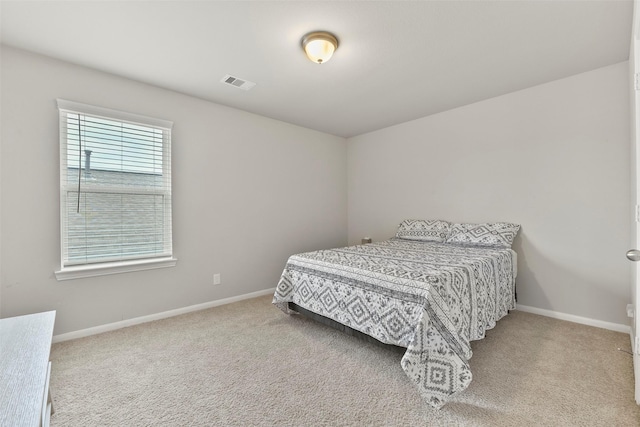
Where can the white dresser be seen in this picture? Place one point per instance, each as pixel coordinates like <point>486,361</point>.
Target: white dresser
<point>25,345</point>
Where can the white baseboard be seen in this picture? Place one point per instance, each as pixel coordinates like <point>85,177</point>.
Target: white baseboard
<point>576,319</point>
<point>157,316</point>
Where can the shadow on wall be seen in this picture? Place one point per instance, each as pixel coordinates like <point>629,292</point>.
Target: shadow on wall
<point>534,269</point>
<point>527,284</point>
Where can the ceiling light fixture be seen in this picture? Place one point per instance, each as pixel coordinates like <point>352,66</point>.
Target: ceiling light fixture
<point>319,46</point>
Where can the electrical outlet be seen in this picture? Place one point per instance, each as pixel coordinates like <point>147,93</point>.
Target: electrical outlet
<point>216,279</point>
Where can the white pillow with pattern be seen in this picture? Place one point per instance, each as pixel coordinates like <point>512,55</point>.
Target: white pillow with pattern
<point>433,230</point>
<point>497,234</point>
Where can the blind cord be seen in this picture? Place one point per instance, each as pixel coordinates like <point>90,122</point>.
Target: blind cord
<point>79,163</point>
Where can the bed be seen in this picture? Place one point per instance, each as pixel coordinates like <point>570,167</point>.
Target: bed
<point>432,289</point>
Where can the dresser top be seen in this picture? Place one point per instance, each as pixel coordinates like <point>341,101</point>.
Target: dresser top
<point>25,345</point>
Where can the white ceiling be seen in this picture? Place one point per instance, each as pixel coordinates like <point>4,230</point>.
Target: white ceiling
<point>397,60</point>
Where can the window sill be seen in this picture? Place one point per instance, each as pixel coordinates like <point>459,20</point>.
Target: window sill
<point>82,271</point>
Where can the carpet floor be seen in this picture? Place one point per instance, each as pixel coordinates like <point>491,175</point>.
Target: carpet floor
<point>249,364</point>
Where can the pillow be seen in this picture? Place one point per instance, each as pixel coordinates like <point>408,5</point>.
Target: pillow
<point>433,230</point>
<point>495,235</point>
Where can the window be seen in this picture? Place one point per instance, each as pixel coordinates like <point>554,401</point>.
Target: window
<point>115,191</point>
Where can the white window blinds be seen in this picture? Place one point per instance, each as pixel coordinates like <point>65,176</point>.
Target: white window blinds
<point>115,185</point>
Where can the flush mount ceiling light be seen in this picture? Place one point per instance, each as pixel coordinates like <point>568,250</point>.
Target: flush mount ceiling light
<point>319,46</point>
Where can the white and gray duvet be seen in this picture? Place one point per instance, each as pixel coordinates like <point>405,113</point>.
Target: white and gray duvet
<point>432,298</point>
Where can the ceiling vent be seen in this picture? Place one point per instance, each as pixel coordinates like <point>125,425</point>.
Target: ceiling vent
<point>239,83</point>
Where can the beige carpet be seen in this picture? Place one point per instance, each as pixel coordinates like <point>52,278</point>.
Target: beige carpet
<point>249,364</point>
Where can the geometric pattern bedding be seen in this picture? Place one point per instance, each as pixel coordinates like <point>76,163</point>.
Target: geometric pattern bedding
<point>432,298</point>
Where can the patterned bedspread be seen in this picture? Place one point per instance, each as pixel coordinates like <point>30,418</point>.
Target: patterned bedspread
<point>432,298</point>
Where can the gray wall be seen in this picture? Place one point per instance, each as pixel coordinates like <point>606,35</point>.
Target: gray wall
<point>553,158</point>
<point>247,192</point>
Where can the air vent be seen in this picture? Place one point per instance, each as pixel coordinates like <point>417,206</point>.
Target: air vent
<point>239,83</point>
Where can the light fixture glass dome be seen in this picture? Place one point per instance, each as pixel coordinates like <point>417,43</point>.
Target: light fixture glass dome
<point>319,46</point>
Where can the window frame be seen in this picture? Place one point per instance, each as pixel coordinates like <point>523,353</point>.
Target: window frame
<point>100,268</point>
